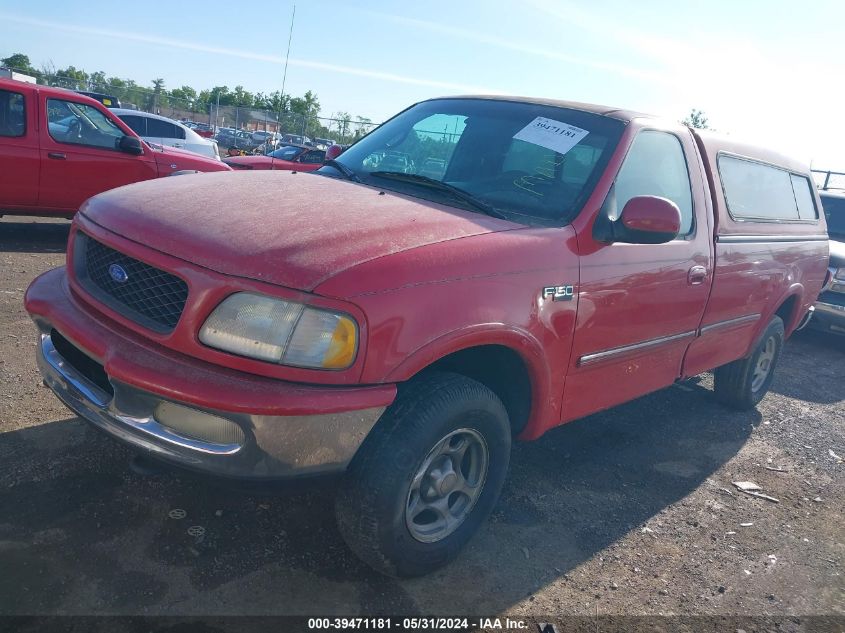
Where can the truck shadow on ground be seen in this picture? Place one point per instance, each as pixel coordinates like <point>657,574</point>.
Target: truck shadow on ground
<point>18,235</point>
<point>85,535</point>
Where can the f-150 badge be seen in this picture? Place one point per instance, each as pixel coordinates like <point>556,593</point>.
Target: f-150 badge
<point>559,293</point>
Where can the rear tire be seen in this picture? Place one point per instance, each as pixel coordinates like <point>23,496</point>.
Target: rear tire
<point>743,383</point>
<point>427,476</point>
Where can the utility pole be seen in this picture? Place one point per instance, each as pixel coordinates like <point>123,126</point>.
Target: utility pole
<point>217,111</point>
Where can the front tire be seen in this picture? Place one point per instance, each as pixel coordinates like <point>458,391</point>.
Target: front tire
<point>743,383</point>
<point>427,476</point>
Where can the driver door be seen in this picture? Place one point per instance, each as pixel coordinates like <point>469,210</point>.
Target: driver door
<point>79,155</point>
<point>640,305</point>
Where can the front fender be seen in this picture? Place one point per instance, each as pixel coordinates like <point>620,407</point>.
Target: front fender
<point>522,342</point>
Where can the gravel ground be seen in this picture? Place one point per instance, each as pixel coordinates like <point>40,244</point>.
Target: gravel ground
<point>628,512</point>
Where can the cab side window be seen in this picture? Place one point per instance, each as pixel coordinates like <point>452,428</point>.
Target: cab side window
<point>761,192</point>
<point>803,198</point>
<point>163,129</point>
<point>137,124</point>
<point>81,124</point>
<point>12,114</point>
<point>655,166</point>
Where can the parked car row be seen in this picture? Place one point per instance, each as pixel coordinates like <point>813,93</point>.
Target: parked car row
<point>290,157</point>
<point>250,140</point>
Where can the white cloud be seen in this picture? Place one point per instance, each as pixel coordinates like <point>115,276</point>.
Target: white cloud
<point>513,45</point>
<point>230,52</point>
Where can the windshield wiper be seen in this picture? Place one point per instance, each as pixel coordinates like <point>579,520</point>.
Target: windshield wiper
<point>456,192</point>
<point>343,169</point>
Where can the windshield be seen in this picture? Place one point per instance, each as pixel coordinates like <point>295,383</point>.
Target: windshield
<point>532,163</point>
<point>834,211</point>
<point>286,153</point>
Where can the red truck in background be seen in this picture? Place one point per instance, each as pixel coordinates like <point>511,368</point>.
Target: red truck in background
<point>403,329</point>
<point>286,157</point>
<point>58,148</point>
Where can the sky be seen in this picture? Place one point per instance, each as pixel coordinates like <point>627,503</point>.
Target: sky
<point>769,72</point>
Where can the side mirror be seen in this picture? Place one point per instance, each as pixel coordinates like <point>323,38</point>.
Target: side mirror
<point>130,145</point>
<point>333,152</point>
<point>648,220</point>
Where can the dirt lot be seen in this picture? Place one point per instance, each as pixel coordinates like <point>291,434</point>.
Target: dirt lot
<point>631,511</point>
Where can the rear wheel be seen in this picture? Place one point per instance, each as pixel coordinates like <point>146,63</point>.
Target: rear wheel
<point>427,476</point>
<point>743,383</point>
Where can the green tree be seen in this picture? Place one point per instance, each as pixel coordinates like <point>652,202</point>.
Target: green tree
<point>158,96</point>
<point>342,121</point>
<point>306,108</point>
<point>362,126</point>
<point>696,119</point>
<point>72,78</point>
<point>242,98</point>
<point>185,97</point>
<point>19,62</point>
<point>312,104</point>
<point>97,80</point>
<point>295,113</point>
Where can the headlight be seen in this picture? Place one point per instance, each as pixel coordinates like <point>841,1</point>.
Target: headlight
<point>839,274</point>
<point>281,332</point>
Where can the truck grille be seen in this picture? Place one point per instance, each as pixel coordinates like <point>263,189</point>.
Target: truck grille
<point>149,296</point>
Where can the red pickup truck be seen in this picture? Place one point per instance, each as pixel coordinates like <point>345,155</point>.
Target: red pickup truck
<point>58,148</point>
<point>402,329</point>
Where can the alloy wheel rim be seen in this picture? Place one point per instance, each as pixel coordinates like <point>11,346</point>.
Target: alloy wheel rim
<point>447,485</point>
<point>764,365</point>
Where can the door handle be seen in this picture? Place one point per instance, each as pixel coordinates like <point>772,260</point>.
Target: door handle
<point>696,275</point>
<point>56,155</point>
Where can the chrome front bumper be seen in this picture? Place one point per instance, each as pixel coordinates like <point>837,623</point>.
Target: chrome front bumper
<point>829,317</point>
<point>269,447</point>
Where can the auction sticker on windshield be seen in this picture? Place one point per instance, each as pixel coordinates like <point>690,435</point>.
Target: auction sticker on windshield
<point>554,135</point>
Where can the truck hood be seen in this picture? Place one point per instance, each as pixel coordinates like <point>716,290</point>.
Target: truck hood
<point>290,229</point>
<point>260,162</point>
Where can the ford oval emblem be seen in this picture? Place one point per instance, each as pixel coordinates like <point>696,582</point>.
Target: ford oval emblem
<point>118,273</point>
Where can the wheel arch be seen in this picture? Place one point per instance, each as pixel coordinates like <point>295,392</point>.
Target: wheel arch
<point>480,353</point>
<point>787,307</point>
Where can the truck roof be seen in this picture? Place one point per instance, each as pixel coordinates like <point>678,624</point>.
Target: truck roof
<point>714,142</point>
<point>54,91</point>
<point>610,111</point>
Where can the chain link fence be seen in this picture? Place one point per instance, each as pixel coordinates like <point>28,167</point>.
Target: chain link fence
<point>252,119</point>
<point>224,120</point>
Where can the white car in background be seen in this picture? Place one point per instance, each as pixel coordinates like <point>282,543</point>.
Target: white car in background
<point>163,131</point>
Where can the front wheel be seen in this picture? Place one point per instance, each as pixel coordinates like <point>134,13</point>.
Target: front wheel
<point>427,476</point>
<point>743,383</point>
